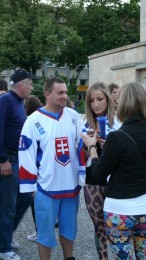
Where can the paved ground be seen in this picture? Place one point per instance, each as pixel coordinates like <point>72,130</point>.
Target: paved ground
<point>84,248</point>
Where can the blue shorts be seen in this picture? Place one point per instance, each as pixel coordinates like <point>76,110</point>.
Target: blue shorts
<point>48,210</point>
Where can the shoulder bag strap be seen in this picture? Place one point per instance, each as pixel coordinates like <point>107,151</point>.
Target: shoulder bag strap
<point>138,147</point>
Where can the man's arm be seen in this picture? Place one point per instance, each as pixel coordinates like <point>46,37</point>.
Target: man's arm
<point>6,168</point>
<point>27,157</point>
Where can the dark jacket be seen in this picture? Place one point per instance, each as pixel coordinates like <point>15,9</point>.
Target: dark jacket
<point>12,118</point>
<point>123,161</point>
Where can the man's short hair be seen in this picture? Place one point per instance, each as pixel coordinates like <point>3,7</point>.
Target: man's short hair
<point>3,85</point>
<point>48,86</point>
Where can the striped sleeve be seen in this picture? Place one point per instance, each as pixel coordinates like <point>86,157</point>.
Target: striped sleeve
<point>27,158</point>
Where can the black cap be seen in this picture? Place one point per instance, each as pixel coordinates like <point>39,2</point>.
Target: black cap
<point>19,75</point>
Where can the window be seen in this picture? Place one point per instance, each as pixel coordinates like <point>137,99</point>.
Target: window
<point>83,82</point>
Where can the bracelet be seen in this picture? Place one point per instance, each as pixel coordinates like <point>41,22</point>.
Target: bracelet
<point>93,145</point>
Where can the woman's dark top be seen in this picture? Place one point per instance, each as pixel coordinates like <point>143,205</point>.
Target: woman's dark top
<point>124,163</point>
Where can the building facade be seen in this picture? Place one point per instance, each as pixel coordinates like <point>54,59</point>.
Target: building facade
<point>123,64</point>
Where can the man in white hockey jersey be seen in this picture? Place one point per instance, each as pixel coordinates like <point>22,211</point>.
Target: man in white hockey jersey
<point>50,166</point>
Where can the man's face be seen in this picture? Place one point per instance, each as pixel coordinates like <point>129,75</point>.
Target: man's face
<point>115,94</point>
<point>26,88</point>
<point>56,99</point>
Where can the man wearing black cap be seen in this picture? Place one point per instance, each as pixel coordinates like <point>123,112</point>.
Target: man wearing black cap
<point>12,118</point>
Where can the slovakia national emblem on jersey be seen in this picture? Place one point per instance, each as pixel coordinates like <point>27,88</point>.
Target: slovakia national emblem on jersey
<point>62,150</point>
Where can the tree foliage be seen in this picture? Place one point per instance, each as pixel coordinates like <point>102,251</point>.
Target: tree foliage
<point>25,35</point>
<point>64,31</point>
<point>31,33</point>
<point>109,24</point>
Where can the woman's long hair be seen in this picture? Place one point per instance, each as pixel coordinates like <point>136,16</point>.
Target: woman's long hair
<point>32,103</point>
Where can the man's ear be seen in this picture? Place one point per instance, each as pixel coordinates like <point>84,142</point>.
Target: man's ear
<point>46,94</point>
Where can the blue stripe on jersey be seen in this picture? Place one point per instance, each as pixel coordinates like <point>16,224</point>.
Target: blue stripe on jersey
<point>57,193</point>
<point>27,181</point>
<point>39,155</point>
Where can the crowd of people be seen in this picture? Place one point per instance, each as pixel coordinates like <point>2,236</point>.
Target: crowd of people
<point>48,152</point>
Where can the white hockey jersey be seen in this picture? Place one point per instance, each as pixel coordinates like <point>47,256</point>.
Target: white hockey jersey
<point>48,157</point>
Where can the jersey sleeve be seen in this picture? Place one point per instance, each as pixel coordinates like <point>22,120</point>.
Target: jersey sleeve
<point>27,158</point>
<point>81,157</point>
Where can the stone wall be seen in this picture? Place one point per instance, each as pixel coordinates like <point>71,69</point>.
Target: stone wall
<point>119,65</point>
<point>143,20</point>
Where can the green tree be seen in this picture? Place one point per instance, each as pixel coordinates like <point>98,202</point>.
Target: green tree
<point>65,32</point>
<point>101,24</point>
<point>30,33</point>
<point>71,51</point>
<point>25,35</point>
<point>109,24</point>
<point>38,90</point>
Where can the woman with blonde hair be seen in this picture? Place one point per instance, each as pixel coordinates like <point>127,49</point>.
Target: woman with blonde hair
<point>98,102</point>
<point>124,159</point>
